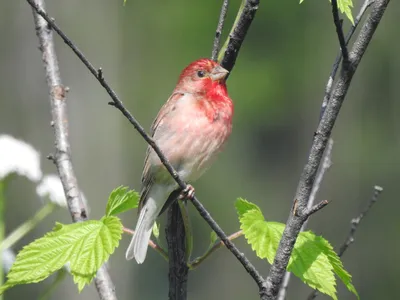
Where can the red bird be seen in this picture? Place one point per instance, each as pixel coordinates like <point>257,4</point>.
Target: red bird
<point>190,129</point>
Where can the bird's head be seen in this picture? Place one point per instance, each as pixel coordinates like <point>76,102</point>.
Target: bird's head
<point>202,76</point>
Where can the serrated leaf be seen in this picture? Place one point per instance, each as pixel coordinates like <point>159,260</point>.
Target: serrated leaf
<point>82,280</point>
<point>310,263</point>
<point>313,259</point>
<point>156,230</point>
<point>86,246</point>
<point>263,236</point>
<point>337,265</point>
<point>242,206</point>
<point>120,200</point>
<point>345,7</point>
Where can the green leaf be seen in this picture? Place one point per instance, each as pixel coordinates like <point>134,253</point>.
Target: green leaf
<point>86,246</point>
<point>242,206</point>
<point>120,200</point>
<point>337,265</point>
<point>156,230</point>
<point>310,263</point>
<point>313,259</point>
<point>263,236</point>
<point>345,7</point>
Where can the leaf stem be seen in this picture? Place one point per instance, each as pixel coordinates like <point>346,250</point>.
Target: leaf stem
<point>196,262</point>
<point>27,226</point>
<point>152,244</point>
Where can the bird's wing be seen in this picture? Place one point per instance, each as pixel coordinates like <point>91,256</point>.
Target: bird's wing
<point>147,176</point>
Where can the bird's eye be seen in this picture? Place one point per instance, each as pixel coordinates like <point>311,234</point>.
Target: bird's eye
<point>201,74</point>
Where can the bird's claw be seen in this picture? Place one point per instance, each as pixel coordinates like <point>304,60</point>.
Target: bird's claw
<point>187,193</point>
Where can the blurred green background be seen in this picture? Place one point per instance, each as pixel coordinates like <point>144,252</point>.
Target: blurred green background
<point>277,86</point>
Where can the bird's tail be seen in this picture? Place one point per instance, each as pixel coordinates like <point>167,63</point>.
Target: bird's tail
<point>138,247</point>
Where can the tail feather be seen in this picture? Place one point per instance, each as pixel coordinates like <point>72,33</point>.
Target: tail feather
<point>138,246</point>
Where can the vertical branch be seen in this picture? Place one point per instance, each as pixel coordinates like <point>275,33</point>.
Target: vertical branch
<point>62,157</point>
<point>218,32</point>
<point>178,268</point>
<point>298,216</point>
<point>324,167</point>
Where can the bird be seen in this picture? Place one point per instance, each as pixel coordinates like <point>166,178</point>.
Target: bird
<point>190,129</point>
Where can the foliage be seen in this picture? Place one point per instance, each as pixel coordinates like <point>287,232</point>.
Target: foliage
<point>313,259</point>
<point>84,246</point>
<point>345,7</point>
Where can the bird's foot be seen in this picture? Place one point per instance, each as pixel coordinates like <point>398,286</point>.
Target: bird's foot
<point>187,193</point>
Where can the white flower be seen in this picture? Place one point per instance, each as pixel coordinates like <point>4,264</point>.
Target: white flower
<point>16,156</point>
<point>52,188</point>
<point>8,258</point>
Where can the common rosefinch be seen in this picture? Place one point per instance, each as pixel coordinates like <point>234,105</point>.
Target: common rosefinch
<point>190,130</point>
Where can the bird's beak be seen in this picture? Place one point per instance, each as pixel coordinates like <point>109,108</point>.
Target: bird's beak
<point>218,73</point>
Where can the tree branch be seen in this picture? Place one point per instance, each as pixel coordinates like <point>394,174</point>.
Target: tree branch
<point>62,157</point>
<point>320,140</point>
<point>238,33</point>
<point>218,32</point>
<point>327,156</point>
<point>178,268</point>
<point>338,59</point>
<point>230,57</point>
<point>339,31</point>
<point>354,225</point>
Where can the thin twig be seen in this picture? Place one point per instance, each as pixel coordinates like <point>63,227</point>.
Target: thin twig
<point>339,31</point>
<point>197,261</point>
<point>335,67</point>
<point>320,141</point>
<point>119,105</point>
<point>356,221</point>
<point>152,244</point>
<point>354,225</point>
<point>62,157</point>
<point>220,27</point>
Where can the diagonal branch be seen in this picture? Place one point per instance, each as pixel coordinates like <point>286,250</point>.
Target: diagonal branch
<point>335,67</point>
<point>62,157</point>
<point>356,221</point>
<point>354,225</point>
<point>245,17</point>
<point>116,102</point>
<point>320,140</point>
<point>220,27</point>
<point>339,31</point>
